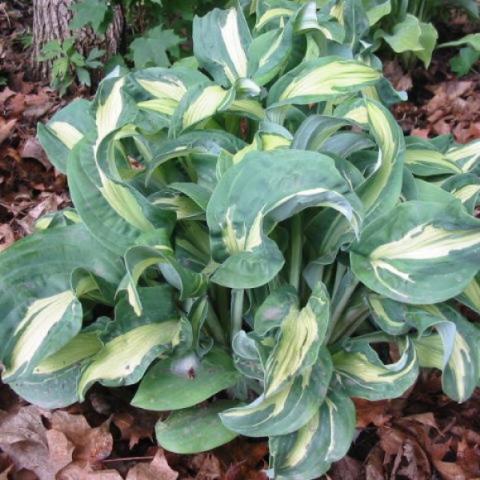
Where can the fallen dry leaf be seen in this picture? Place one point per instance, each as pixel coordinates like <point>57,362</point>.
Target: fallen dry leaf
<point>23,438</point>
<point>157,469</point>
<point>6,128</point>
<point>135,425</point>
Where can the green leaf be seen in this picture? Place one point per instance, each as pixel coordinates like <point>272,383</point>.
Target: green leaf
<point>53,383</point>
<point>286,411</point>
<point>150,50</point>
<point>389,315</point>
<point>472,40</point>
<point>364,375</point>
<point>220,43</point>
<point>178,383</point>
<point>90,12</point>
<point>462,63</point>
<point>424,160</point>
<point>194,430</point>
<point>321,79</point>
<point>465,187</point>
<point>422,252</point>
<point>471,295</point>
<point>279,184</point>
<point>459,338</point>
<point>465,156</point>
<point>35,281</point>
<point>298,342</point>
<point>133,342</point>
<point>377,9</point>
<point>64,130</point>
<point>405,36</point>
<point>199,104</point>
<point>326,438</point>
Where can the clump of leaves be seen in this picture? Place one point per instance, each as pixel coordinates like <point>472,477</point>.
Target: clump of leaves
<point>69,64</point>
<point>405,25</point>
<point>264,237</point>
<point>468,55</point>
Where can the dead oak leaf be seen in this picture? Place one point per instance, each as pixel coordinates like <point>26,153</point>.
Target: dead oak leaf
<point>157,469</point>
<point>91,444</point>
<point>23,437</point>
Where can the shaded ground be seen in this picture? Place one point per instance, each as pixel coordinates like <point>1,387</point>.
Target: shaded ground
<point>423,435</point>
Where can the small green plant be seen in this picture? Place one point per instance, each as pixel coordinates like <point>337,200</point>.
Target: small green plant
<point>468,55</point>
<point>68,63</point>
<point>251,228</point>
<point>405,25</point>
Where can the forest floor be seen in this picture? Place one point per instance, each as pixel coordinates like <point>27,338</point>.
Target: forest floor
<point>422,435</point>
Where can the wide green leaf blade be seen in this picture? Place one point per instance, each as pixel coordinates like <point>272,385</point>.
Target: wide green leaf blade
<point>220,42</point>
<point>422,252</point>
<point>364,375</point>
<point>321,79</point>
<point>64,130</point>
<point>326,438</point>
<point>195,430</point>
<point>286,411</point>
<point>168,385</point>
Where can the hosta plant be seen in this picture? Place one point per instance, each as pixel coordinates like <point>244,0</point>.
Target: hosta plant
<point>253,242</point>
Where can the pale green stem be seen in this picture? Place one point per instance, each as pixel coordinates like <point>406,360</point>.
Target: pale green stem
<point>237,311</point>
<point>215,326</point>
<point>296,252</point>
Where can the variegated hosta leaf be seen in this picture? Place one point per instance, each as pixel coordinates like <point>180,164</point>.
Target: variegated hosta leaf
<point>263,189</point>
<point>114,219</point>
<point>272,13</point>
<point>200,103</point>
<point>389,315</point>
<point>298,343</point>
<point>286,411</point>
<point>47,325</point>
<point>316,130</point>
<point>64,130</point>
<point>326,438</point>
<point>465,156</point>
<point>421,252</point>
<point>430,192</point>
<point>177,383</point>
<point>321,79</point>
<point>269,52</point>
<point>220,42</point>
<point>53,382</point>
<point>424,160</point>
<point>40,311</point>
<point>380,191</point>
<point>364,375</point>
<point>113,107</point>
<point>459,339</point>
<point>139,258</point>
<point>248,355</point>
<point>165,87</point>
<point>471,295</point>
<point>307,20</point>
<point>203,148</point>
<point>132,342</point>
<point>466,188</point>
<point>274,310</point>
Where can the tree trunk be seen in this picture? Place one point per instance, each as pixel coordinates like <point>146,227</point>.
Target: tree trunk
<point>50,22</point>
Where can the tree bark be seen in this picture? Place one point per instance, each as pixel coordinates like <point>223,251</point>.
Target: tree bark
<point>50,22</point>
